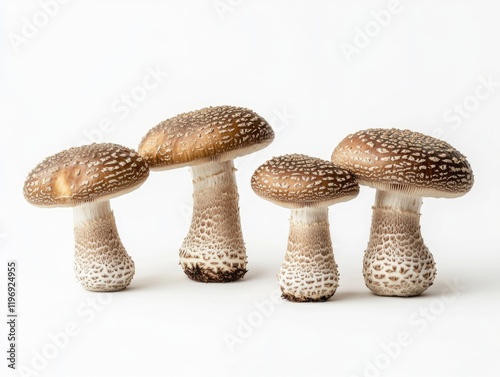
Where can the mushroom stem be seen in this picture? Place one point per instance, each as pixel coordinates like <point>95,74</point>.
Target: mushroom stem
<point>101,262</point>
<point>309,271</point>
<point>213,250</point>
<point>396,261</point>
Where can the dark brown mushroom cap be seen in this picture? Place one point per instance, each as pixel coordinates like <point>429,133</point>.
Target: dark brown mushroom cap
<point>298,181</point>
<point>405,161</point>
<point>218,133</point>
<point>84,174</point>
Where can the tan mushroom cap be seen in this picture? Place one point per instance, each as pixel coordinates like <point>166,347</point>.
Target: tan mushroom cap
<point>405,161</point>
<point>299,181</point>
<point>218,133</point>
<point>85,174</point>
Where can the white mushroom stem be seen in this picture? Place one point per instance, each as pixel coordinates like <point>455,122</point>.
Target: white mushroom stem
<point>396,261</point>
<point>213,250</point>
<point>309,271</point>
<point>101,262</point>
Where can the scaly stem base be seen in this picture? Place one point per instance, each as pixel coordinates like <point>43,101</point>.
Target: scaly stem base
<point>214,251</point>
<point>101,262</point>
<point>396,261</point>
<point>309,272</point>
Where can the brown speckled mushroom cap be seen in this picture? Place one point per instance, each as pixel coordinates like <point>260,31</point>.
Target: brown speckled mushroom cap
<point>299,181</point>
<point>405,161</point>
<point>89,173</point>
<point>218,133</point>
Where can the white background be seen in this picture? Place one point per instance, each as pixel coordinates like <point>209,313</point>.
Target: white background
<point>287,61</point>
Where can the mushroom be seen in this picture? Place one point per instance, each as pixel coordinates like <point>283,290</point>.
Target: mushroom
<point>308,186</point>
<point>86,178</point>
<point>208,140</point>
<point>403,166</point>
